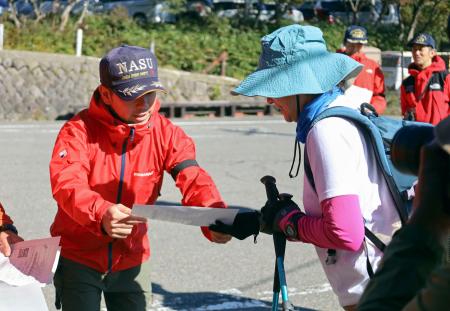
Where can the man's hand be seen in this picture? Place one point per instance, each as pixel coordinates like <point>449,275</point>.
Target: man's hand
<point>218,237</point>
<point>6,239</point>
<point>118,221</point>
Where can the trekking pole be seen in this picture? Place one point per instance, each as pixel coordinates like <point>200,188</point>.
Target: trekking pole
<point>279,241</point>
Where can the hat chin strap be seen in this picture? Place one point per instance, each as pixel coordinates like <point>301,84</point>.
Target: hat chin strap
<point>296,146</point>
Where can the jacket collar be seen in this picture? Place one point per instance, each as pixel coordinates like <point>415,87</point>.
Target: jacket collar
<point>437,64</point>
<point>116,129</point>
<point>359,56</point>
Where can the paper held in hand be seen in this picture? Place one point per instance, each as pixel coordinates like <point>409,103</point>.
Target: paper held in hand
<point>187,215</point>
<point>31,261</point>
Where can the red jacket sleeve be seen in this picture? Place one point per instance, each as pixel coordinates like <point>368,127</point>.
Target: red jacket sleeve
<point>447,93</point>
<point>4,218</point>
<point>195,184</point>
<point>69,169</point>
<point>378,98</point>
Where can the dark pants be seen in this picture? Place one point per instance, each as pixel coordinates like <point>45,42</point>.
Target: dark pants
<point>79,287</point>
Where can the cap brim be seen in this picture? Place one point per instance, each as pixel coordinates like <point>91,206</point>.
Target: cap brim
<point>316,75</point>
<point>129,92</point>
<point>410,44</point>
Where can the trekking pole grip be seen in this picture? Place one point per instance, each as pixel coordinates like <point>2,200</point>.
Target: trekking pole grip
<point>271,188</point>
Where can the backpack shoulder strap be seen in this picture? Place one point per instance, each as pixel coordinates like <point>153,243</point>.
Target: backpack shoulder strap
<point>408,82</point>
<point>442,75</point>
<point>437,75</point>
<point>370,125</point>
<point>350,114</point>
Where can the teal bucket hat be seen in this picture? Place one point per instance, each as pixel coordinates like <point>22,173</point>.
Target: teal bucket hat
<point>294,60</point>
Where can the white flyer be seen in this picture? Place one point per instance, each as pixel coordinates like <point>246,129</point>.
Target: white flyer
<point>32,261</point>
<point>24,298</point>
<point>187,215</point>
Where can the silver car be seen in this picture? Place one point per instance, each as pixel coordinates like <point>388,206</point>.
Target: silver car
<point>140,10</point>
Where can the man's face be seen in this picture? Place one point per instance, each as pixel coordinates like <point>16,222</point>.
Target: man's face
<point>287,106</point>
<point>422,55</point>
<point>352,48</point>
<point>132,112</point>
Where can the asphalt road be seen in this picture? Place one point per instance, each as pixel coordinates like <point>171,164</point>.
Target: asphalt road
<point>188,272</point>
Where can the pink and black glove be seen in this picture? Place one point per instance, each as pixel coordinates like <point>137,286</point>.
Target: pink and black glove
<point>282,216</point>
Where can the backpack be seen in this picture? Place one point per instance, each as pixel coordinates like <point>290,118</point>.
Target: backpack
<point>379,131</point>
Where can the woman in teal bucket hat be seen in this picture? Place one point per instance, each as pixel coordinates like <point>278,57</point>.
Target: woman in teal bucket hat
<point>301,78</point>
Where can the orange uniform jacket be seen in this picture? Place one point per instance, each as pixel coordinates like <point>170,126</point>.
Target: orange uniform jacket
<point>371,77</point>
<point>98,161</point>
<point>4,218</point>
<point>432,104</point>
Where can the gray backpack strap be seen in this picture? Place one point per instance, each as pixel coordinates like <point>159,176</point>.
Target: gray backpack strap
<point>371,125</point>
<point>308,173</point>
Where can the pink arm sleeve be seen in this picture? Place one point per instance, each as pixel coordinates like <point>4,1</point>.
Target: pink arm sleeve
<point>341,225</point>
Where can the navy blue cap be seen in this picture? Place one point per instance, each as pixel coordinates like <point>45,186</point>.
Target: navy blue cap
<point>130,71</point>
<point>423,39</point>
<point>355,34</point>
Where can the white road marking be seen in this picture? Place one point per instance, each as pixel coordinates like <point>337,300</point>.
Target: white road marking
<point>310,290</point>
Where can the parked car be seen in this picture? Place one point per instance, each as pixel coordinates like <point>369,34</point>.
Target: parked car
<point>4,6</point>
<point>141,10</point>
<point>263,11</point>
<point>341,9</point>
<point>46,7</point>
<point>23,7</point>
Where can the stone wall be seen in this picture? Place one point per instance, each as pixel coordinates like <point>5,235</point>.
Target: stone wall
<point>43,86</point>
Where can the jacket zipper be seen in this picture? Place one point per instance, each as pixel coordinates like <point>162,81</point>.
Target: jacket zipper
<point>119,192</point>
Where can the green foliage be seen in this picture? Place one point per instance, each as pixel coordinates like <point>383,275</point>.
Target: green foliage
<point>214,92</point>
<point>192,43</point>
<point>432,19</point>
<point>393,103</point>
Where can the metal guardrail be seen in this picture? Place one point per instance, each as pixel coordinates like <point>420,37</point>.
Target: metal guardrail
<point>215,108</point>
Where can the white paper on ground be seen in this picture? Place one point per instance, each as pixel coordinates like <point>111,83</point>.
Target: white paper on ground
<point>187,215</point>
<point>31,261</point>
<point>24,298</point>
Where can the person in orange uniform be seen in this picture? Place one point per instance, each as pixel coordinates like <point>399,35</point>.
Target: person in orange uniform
<point>8,233</point>
<point>369,84</point>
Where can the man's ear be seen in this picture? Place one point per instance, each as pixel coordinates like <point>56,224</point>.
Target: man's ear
<point>105,93</point>
<point>433,52</point>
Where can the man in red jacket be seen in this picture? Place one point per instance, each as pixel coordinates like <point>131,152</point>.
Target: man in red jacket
<point>425,94</point>
<point>8,233</point>
<point>369,84</point>
<point>105,159</point>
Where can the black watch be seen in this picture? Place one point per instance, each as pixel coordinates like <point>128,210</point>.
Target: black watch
<point>8,227</point>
